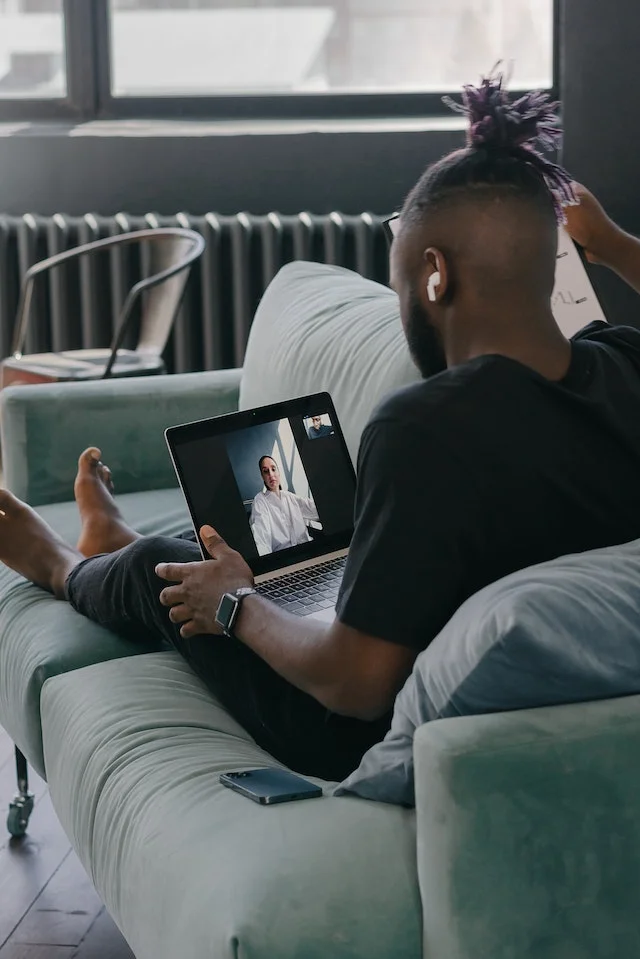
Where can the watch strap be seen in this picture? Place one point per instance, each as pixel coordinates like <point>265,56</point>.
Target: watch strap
<point>244,591</point>
<point>238,595</point>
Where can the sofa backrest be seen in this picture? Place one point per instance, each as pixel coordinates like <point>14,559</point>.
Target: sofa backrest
<point>322,327</point>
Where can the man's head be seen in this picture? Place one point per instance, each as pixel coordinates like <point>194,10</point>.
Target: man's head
<point>475,247</point>
<point>316,422</point>
<point>270,473</point>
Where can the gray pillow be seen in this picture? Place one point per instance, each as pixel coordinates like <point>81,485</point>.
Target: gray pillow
<point>322,327</point>
<point>565,631</point>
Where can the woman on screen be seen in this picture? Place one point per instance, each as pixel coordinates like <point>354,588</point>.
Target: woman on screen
<point>278,517</point>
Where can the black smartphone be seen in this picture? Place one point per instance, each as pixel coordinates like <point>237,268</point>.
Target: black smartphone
<point>270,785</point>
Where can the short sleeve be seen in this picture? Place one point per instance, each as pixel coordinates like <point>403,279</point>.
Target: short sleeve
<point>405,574</point>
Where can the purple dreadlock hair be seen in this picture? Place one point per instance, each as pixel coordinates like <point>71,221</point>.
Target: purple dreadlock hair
<point>501,150</point>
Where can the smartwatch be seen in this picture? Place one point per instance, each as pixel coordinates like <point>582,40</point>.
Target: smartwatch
<point>229,608</point>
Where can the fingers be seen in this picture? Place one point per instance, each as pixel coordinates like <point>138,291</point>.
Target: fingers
<point>189,630</point>
<point>172,595</point>
<point>180,614</point>
<point>173,572</point>
<point>213,542</point>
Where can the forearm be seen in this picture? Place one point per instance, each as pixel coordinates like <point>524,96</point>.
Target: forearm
<point>622,254</point>
<point>348,672</point>
<point>297,648</point>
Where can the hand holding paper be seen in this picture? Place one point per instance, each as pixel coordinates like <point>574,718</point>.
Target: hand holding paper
<point>590,226</point>
<point>603,240</point>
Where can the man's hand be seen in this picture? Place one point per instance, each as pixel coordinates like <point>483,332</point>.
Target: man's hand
<point>345,670</point>
<point>199,587</point>
<point>589,225</point>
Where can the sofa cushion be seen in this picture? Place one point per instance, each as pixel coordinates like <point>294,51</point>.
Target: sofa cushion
<point>40,637</point>
<point>322,327</point>
<point>134,750</point>
<point>565,631</point>
<point>528,833</point>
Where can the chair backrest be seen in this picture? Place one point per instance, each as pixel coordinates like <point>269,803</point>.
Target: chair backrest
<point>167,258</point>
<point>167,252</point>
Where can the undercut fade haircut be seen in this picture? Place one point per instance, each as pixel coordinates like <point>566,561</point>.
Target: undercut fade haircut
<point>503,154</point>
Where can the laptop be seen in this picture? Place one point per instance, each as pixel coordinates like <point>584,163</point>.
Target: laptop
<point>277,483</point>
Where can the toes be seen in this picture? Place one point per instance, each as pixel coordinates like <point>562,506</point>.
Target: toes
<point>105,475</point>
<point>8,502</point>
<point>89,459</point>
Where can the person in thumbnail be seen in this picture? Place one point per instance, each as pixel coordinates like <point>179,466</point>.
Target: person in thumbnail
<point>319,429</point>
<point>279,517</point>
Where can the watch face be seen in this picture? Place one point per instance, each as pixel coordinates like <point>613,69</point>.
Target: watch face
<point>226,609</point>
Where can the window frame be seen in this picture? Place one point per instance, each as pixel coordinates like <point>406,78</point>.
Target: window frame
<point>89,96</point>
<point>80,101</point>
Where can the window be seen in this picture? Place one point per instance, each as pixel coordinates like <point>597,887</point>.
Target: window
<point>32,49</point>
<point>200,47</point>
<point>262,58</point>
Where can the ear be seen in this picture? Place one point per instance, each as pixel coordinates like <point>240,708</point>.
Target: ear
<point>436,275</point>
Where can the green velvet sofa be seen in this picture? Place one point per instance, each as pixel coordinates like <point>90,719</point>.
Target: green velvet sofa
<point>525,840</point>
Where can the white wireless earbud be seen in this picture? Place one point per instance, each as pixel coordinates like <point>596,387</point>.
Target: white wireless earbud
<point>434,281</point>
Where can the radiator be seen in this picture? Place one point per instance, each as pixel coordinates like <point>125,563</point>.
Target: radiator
<point>76,306</point>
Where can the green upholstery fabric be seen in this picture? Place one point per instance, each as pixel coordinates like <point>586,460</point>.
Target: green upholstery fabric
<point>45,428</point>
<point>528,823</point>
<point>40,637</point>
<point>190,869</point>
<point>529,833</point>
<point>322,327</point>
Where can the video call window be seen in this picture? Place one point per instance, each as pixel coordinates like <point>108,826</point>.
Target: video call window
<point>318,426</point>
<point>273,485</point>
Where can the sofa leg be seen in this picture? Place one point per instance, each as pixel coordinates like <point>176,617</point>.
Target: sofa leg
<point>21,807</point>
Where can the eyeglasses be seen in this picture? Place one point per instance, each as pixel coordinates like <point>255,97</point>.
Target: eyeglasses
<point>391,227</point>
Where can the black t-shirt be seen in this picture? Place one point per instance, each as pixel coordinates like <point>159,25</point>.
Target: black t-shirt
<point>488,468</point>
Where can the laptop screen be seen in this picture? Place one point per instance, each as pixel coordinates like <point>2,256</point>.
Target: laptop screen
<point>277,483</point>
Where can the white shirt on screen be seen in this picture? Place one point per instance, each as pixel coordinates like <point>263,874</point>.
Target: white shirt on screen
<point>279,520</point>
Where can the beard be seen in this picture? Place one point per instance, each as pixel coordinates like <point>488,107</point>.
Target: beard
<point>425,343</point>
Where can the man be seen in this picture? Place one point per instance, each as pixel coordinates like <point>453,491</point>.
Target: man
<point>318,429</point>
<point>518,446</point>
<point>279,517</point>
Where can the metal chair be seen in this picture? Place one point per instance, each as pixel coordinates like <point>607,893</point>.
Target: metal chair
<point>171,253</point>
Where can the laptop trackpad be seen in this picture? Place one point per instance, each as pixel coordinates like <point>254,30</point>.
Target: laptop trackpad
<point>326,615</point>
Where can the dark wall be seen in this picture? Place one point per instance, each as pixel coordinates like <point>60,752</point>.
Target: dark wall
<point>600,74</point>
<point>47,171</point>
<point>601,100</point>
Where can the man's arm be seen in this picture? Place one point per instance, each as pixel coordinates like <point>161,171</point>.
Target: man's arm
<point>348,672</point>
<point>401,584</point>
<point>603,240</point>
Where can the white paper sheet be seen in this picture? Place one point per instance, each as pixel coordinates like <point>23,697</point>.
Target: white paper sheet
<point>574,301</point>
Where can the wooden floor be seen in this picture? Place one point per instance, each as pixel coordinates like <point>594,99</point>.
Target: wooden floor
<point>48,907</point>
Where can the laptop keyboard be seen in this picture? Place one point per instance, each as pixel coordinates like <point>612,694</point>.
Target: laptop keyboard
<point>307,590</point>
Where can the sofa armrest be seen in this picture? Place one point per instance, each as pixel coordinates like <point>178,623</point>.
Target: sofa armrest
<point>44,429</point>
<point>529,834</point>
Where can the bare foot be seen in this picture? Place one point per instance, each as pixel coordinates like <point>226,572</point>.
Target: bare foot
<point>30,547</point>
<point>103,527</point>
